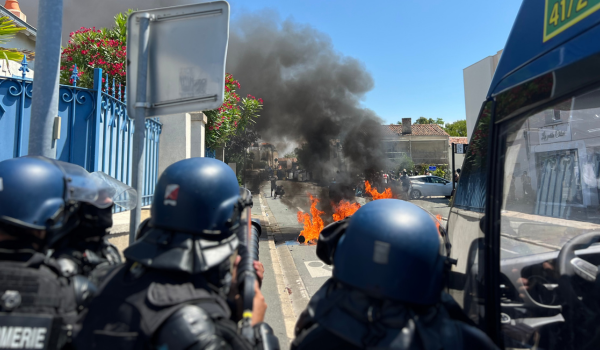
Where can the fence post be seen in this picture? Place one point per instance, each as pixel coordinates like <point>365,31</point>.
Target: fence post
<point>94,129</point>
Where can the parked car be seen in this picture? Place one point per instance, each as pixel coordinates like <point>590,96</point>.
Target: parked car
<point>426,185</point>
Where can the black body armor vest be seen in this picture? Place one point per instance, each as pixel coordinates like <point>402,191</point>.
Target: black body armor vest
<point>339,317</point>
<point>38,308</point>
<point>135,301</point>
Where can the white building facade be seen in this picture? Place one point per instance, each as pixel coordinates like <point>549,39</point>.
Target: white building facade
<point>477,79</point>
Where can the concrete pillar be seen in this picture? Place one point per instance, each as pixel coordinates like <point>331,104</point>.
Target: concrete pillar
<point>183,136</point>
<point>220,154</point>
<point>198,134</point>
<point>175,140</point>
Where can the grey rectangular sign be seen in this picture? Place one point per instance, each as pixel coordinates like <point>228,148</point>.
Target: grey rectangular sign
<point>186,61</point>
<point>461,148</point>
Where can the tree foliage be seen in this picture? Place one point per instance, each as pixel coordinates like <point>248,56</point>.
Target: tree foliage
<point>440,170</point>
<point>423,120</point>
<point>91,48</point>
<point>234,115</point>
<point>457,129</point>
<point>404,162</point>
<point>235,152</point>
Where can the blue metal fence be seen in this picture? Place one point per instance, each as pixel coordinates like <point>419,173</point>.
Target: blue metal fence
<point>95,131</point>
<point>210,153</point>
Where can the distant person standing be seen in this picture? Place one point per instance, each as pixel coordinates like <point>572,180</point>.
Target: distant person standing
<point>527,189</point>
<point>405,180</point>
<point>512,191</point>
<point>457,175</point>
<point>273,184</point>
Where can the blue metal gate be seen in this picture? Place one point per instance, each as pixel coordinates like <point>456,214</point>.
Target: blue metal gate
<point>95,132</point>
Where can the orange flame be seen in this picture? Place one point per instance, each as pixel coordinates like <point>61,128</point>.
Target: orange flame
<point>376,195</point>
<point>437,223</point>
<point>344,209</point>
<point>314,225</point>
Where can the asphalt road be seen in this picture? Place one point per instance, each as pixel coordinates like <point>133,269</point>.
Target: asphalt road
<point>434,205</point>
<point>285,211</point>
<point>293,272</point>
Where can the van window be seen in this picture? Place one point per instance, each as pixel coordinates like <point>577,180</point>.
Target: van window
<point>471,189</point>
<point>550,222</point>
<point>467,279</point>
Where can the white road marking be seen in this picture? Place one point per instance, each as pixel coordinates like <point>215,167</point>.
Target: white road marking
<point>318,269</point>
<point>300,209</point>
<point>262,209</point>
<point>531,241</point>
<point>510,251</point>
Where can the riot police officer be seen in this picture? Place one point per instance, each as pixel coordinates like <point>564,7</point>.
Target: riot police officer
<point>38,199</point>
<point>386,290</point>
<point>173,290</point>
<point>85,249</point>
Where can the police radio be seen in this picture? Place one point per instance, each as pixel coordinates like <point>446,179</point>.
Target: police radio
<point>249,233</point>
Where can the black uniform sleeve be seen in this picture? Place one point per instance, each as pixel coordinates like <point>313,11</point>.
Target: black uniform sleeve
<point>189,328</point>
<point>318,338</point>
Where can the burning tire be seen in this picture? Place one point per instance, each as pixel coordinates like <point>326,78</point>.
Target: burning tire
<point>415,194</point>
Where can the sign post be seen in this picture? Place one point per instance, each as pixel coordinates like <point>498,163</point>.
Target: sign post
<point>457,148</point>
<point>44,106</point>
<point>453,169</point>
<point>175,64</point>
<point>139,135</point>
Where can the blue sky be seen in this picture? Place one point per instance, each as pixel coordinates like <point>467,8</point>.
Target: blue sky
<point>416,50</point>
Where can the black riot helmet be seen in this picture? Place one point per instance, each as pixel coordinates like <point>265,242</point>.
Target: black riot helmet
<point>43,194</point>
<point>195,217</point>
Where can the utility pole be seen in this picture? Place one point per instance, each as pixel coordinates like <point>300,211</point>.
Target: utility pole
<point>453,170</point>
<point>44,105</point>
<point>139,136</point>
<point>245,167</point>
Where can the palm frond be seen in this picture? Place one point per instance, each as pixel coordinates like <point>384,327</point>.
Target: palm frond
<point>8,29</point>
<point>11,55</point>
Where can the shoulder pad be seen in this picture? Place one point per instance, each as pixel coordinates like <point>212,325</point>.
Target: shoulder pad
<point>102,273</point>
<point>67,267</point>
<point>111,253</point>
<point>189,328</point>
<point>85,290</point>
<point>164,294</point>
<point>265,337</point>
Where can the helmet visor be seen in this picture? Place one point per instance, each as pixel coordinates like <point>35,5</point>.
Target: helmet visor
<point>97,189</point>
<point>121,194</point>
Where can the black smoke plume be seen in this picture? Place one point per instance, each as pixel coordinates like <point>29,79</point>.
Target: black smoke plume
<point>312,93</point>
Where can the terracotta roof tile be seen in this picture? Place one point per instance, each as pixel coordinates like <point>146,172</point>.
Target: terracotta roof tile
<point>462,140</point>
<point>417,130</point>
